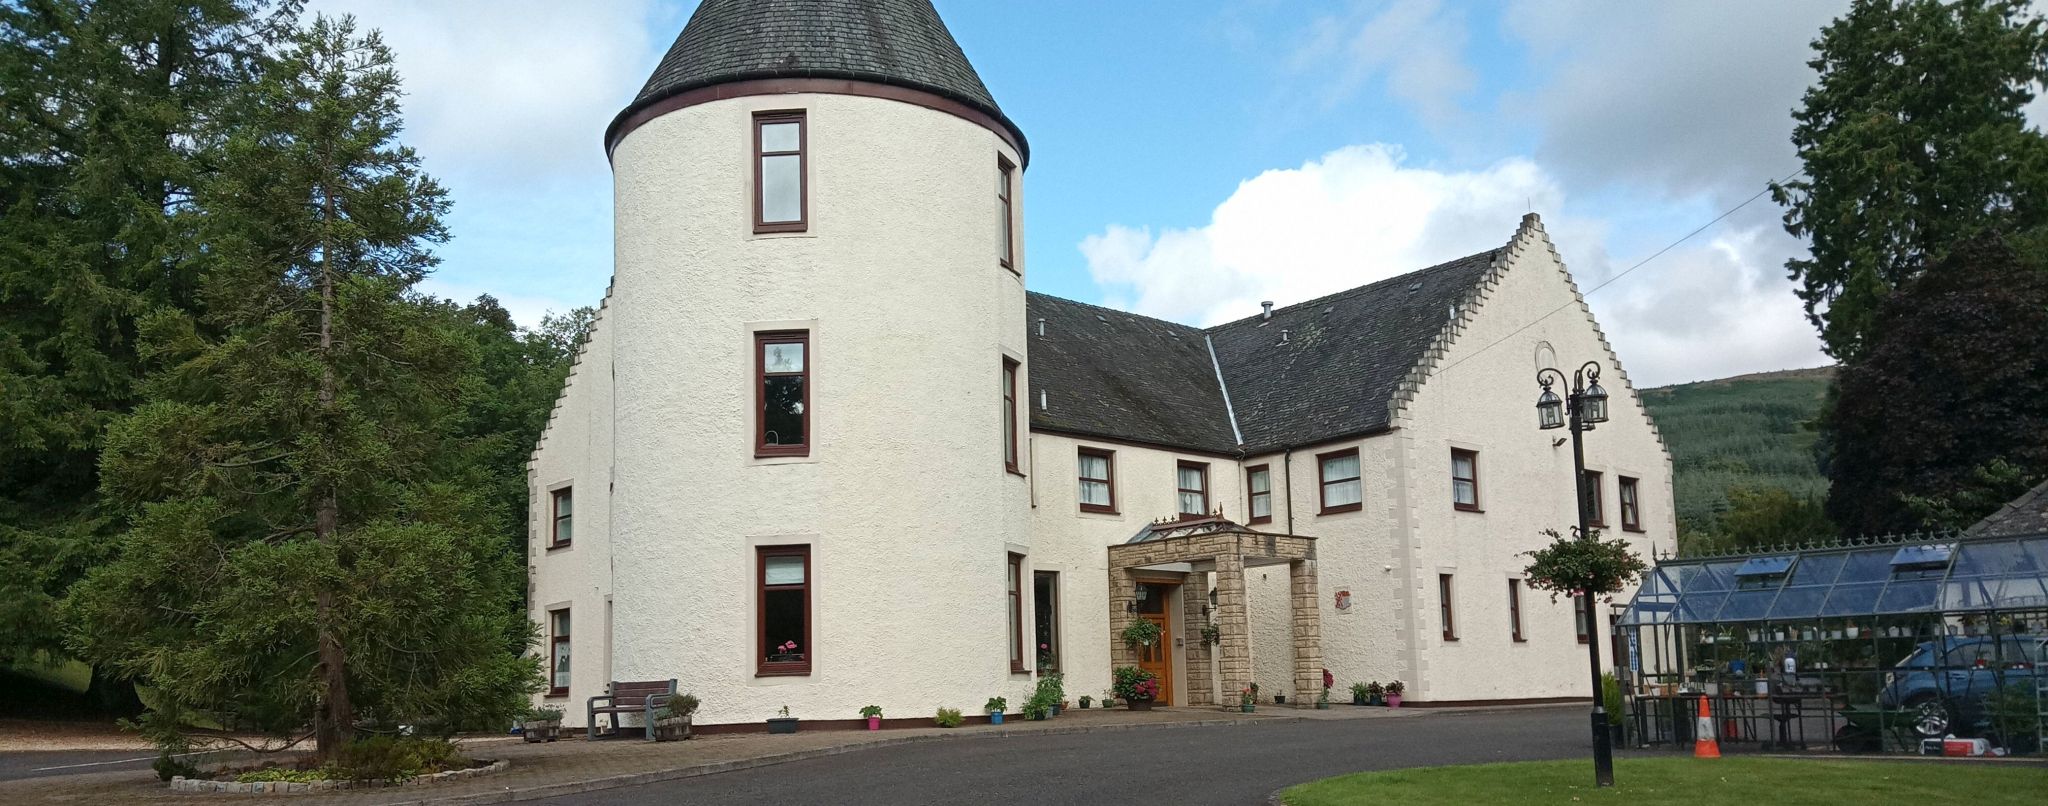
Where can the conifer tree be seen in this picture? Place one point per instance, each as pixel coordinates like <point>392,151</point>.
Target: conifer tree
<point>305,548</point>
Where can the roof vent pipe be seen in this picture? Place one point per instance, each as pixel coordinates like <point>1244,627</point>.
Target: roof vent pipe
<point>1283,335</point>
<point>1268,305</point>
<point>1041,326</point>
<point>1041,400</point>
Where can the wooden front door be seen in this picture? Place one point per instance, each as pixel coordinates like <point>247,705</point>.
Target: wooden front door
<point>1158,658</point>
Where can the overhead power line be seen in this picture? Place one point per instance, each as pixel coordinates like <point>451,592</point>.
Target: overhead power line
<point>1625,272</point>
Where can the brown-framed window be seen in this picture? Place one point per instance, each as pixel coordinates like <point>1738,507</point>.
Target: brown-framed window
<point>1097,472</point>
<point>1010,461</point>
<point>1445,610</point>
<point>782,368</point>
<point>1045,612</point>
<point>1515,610</point>
<point>781,194</point>
<point>1342,491</point>
<point>1465,480</point>
<point>785,610</point>
<point>1258,483</point>
<point>1015,582</point>
<point>1579,616</point>
<point>1631,504</point>
<point>1193,480</point>
<point>1006,234</point>
<point>558,653</point>
<point>563,505</point>
<point>1596,514</point>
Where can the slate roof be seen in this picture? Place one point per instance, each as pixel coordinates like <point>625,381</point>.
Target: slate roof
<point>897,42</point>
<point>1345,355</point>
<point>1113,374</point>
<point>2023,516</point>
<point>1108,373</point>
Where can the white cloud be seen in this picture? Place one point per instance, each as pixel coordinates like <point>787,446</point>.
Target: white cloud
<point>1414,47</point>
<point>512,90</point>
<point>1360,214</point>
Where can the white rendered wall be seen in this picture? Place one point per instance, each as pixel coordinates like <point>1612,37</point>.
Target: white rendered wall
<point>1481,396</point>
<point>576,450</point>
<point>903,500</point>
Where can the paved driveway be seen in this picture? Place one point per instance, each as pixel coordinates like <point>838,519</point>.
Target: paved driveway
<point>39,763</point>
<point>1184,766</point>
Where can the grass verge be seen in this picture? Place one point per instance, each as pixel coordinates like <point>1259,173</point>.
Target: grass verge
<point>1688,782</point>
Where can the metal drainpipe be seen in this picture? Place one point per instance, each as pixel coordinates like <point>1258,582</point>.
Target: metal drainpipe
<point>1287,480</point>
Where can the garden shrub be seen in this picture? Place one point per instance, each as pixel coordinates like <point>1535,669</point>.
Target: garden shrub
<point>949,718</point>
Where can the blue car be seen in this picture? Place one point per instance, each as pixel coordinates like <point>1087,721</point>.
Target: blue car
<point>1944,682</point>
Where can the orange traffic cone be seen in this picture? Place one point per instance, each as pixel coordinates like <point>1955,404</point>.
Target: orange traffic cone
<point>1704,745</point>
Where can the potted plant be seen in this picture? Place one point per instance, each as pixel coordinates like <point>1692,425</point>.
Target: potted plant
<point>1394,690</point>
<point>1054,686</point>
<point>874,715</point>
<point>948,718</point>
<point>673,720</point>
<point>1323,700</point>
<point>1038,707</point>
<point>1610,696</point>
<point>782,722</point>
<point>1377,692</point>
<point>1141,633</point>
<point>543,724</point>
<point>1212,634</point>
<point>1136,687</point>
<point>1085,700</point>
<point>1361,694</point>
<point>1248,698</point>
<point>994,707</point>
<point>1108,698</point>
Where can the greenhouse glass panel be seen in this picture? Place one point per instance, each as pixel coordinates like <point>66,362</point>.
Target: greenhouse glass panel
<point>1911,596</point>
<point>1817,569</point>
<point>1764,566</point>
<point>2021,593</point>
<point>1801,602</point>
<point>1866,566</point>
<point>1973,593</point>
<point>1993,559</point>
<point>1747,605</point>
<point>1853,600</point>
<point>1700,607</point>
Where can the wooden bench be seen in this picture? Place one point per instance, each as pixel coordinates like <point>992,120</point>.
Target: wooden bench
<point>631,697</point>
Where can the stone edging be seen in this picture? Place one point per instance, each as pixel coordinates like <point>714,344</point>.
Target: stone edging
<point>658,776</point>
<point>183,784</point>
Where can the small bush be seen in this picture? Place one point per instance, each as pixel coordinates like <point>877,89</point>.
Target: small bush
<point>996,705</point>
<point>949,718</point>
<point>168,766</point>
<point>288,775</point>
<point>396,758</point>
<point>681,705</point>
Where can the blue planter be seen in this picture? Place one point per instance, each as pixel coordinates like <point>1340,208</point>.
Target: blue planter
<point>995,718</point>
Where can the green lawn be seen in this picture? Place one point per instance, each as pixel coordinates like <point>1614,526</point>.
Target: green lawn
<point>1690,782</point>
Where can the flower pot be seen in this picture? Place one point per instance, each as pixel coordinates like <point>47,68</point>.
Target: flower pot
<point>995,718</point>
<point>874,723</point>
<point>1139,705</point>
<point>1379,699</point>
<point>1852,631</point>
<point>1057,707</point>
<point>1393,701</point>
<point>1359,700</point>
<point>669,729</point>
<point>1322,705</point>
<point>546,730</point>
<point>1247,707</point>
<point>782,724</point>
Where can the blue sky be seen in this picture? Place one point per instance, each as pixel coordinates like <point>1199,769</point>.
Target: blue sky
<point>1190,158</point>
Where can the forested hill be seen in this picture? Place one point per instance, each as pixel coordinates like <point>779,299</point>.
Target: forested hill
<point>1749,431</point>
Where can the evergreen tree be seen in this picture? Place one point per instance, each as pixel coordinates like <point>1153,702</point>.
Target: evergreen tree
<point>306,548</point>
<point>1950,399</point>
<point>108,120</point>
<point>1913,140</point>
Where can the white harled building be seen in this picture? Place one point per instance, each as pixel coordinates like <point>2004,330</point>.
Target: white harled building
<point>822,449</point>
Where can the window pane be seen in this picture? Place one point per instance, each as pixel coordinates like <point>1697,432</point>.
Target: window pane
<point>783,410</point>
<point>782,625</point>
<point>782,188</point>
<point>1003,235</point>
<point>780,136</point>
<point>563,502</point>
<point>1340,467</point>
<point>560,664</point>
<point>1341,493</point>
<point>565,529</point>
<point>1465,492</point>
<point>1192,504</point>
<point>1191,478</point>
<point>782,357</point>
<point>1094,467</point>
<point>784,570</point>
<point>1262,481</point>
<point>1095,493</point>
<point>561,623</point>
<point>1262,506</point>
<point>1045,611</point>
<point>1461,465</point>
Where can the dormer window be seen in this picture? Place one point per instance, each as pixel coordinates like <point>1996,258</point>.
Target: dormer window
<point>781,200</point>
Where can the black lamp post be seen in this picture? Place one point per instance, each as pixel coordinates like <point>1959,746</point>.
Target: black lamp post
<point>1588,407</point>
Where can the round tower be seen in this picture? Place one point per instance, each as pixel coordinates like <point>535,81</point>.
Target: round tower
<point>819,308</point>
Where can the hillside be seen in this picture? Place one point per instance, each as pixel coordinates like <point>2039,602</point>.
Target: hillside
<point>1749,430</point>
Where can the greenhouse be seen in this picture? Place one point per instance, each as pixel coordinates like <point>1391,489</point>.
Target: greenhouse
<point>1869,646</point>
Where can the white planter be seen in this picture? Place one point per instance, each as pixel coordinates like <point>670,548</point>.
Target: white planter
<point>671,728</point>
<point>541,730</point>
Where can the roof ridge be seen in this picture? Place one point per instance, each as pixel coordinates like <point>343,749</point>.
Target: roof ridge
<point>1118,311</point>
<point>1356,290</point>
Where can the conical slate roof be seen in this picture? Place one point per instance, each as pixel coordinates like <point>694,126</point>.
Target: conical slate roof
<point>896,42</point>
